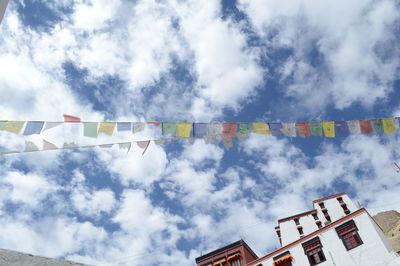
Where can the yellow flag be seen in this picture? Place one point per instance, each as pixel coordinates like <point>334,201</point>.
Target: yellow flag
<point>388,125</point>
<point>261,128</point>
<point>183,129</point>
<point>329,128</point>
<point>13,126</point>
<point>107,128</point>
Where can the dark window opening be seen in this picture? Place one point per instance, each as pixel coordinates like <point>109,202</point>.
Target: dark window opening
<point>349,235</point>
<point>297,221</point>
<point>313,250</point>
<point>340,199</point>
<point>315,216</point>
<point>322,205</point>
<point>300,229</point>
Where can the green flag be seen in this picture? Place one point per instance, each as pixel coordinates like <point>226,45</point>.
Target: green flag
<point>168,128</point>
<point>90,129</point>
<point>316,129</point>
<point>377,125</point>
<point>246,128</point>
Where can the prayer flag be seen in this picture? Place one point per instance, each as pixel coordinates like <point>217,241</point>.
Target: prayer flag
<point>13,126</point>
<point>137,127</point>
<point>329,128</point>
<point>366,127</point>
<point>261,128</point>
<point>48,145</point>
<point>200,130</point>
<point>160,141</point>
<point>107,128</point>
<point>168,128</point>
<point>70,118</point>
<point>316,129</point>
<point>304,129</point>
<point>90,129</point>
<point>354,127</point>
<point>242,136</point>
<point>388,125</point>
<point>33,127</point>
<point>124,126</point>
<point>214,129</point>
<point>2,123</point>
<point>49,125</point>
<point>30,146</point>
<point>144,145</point>
<point>246,128</point>
<point>289,129</point>
<point>275,129</point>
<point>154,123</point>
<point>341,128</point>
<point>230,129</point>
<point>227,140</point>
<point>377,125</point>
<point>125,145</point>
<point>183,129</point>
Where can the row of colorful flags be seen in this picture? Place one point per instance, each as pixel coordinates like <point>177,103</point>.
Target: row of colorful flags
<point>208,131</point>
<point>31,146</point>
<point>328,129</point>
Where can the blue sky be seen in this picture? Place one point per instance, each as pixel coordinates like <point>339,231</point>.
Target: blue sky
<point>194,61</point>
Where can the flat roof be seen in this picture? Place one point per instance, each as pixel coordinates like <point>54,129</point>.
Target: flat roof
<point>297,216</point>
<point>227,247</point>
<point>329,197</point>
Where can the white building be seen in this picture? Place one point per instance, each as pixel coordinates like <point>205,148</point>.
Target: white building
<point>335,232</point>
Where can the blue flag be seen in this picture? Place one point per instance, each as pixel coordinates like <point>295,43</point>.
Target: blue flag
<point>275,129</point>
<point>341,129</point>
<point>33,127</point>
<point>200,130</point>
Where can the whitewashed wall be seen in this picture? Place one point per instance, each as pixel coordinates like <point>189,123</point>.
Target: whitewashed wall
<point>374,250</point>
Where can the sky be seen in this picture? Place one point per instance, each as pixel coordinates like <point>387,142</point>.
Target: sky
<point>190,61</point>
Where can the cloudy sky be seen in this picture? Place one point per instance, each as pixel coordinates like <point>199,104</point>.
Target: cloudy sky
<point>193,61</point>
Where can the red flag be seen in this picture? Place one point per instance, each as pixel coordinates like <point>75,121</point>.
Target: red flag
<point>154,122</point>
<point>230,129</point>
<point>70,118</point>
<point>303,128</point>
<point>366,126</point>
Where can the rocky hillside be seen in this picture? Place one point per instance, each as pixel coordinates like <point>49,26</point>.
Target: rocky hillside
<point>389,221</point>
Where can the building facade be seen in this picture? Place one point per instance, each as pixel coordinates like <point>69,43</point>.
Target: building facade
<point>334,232</point>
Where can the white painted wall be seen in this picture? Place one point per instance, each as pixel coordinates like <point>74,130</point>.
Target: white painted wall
<point>373,251</point>
<point>335,211</point>
<point>289,232</point>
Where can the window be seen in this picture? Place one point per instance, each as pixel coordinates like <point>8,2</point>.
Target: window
<point>315,216</point>
<point>234,259</point>
<point>318,223</point>
<point>297,221</point>
<point>340,199</point>
<point>235,262</point>
<point>284,259</point>
<point>327,217</point>
<point>300,229</point>
<point>349,235</point>
<point>313,250</point>
<point>322,205</point>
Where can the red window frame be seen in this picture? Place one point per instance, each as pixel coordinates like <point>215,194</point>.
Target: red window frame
<point>314,252</point>
<point>348,232</point>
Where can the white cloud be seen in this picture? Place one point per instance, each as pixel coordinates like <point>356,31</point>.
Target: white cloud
<point>356,66</point>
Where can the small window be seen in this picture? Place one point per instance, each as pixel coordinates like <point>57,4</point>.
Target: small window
<point>319,224</point>
<point>322,205</point>
<point>349,235</point>
<point>315,216</point>
<point>340,199</point>
<point>300,229</point>
<point>313,250</point>
<point>297,221</point>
